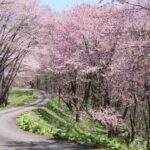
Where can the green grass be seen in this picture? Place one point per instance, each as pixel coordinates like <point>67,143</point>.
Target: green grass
<point>55,121</point>
<point>20,97</point>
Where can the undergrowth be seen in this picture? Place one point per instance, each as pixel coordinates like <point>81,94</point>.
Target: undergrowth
<point>19,98</point>
<point>55,121</point>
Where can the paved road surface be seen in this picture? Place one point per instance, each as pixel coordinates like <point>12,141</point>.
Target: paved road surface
<point>13,138</point>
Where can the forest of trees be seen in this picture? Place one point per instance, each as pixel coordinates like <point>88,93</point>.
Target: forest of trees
<point>95,57</point>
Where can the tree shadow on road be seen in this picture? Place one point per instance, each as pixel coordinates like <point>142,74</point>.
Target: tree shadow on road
<point>50,145</point>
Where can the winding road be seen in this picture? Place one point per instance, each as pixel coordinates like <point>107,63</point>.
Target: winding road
<point>13,138</point>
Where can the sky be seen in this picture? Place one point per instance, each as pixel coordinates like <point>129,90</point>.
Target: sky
<point>62,5</point>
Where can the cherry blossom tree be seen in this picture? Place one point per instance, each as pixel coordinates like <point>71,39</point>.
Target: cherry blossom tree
<point>82,46</point>
<point>20,22</point>
<point>130,69</point>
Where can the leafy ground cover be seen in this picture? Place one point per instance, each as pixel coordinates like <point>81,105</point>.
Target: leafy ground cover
<point>55,121</point>
<point>20,97</point>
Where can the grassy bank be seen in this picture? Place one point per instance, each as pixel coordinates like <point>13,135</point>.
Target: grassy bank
<point>20,97</point>
<point>55,121</point>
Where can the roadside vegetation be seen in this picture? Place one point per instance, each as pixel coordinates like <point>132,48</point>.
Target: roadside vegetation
<point>55,121</point>
<point>19,98</point>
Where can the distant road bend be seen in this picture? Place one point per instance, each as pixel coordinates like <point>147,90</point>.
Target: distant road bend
<point>13,138</point>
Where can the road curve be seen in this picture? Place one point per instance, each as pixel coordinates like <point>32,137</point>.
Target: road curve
<point>13,138</point>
